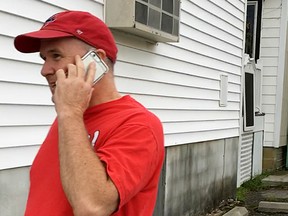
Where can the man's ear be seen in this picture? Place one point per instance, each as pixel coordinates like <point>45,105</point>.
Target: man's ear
<point>101,53</point>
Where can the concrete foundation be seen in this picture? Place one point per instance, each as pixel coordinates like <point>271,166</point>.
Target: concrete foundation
<point>197,177</point>
<point>14,185</point>
<point>274,158</point>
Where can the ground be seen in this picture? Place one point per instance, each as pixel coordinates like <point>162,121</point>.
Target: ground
<point>254,197</point>
<point>251,193</point>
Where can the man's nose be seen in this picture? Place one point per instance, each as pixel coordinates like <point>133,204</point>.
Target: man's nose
<point>47,69</point>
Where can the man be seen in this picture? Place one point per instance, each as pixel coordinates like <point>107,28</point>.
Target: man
<point>104,152</point>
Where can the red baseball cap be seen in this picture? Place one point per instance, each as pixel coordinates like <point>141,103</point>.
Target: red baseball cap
<point>79,24</point>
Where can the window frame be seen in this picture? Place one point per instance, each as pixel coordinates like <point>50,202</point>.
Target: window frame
<point>256,27</point>
<point>248,108</point>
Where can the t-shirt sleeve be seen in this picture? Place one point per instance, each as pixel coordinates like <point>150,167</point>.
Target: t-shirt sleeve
<point>130,155</point>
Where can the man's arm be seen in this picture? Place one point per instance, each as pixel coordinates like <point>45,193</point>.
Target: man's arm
<point>86,184</point>
<point>88,188</point>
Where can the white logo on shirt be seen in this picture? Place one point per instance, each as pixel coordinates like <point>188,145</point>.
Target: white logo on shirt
<point>95,137</point>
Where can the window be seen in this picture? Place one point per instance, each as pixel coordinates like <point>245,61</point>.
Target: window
<point>249,95</point>
<point>159,14</point>
<point>156,20</point>
<point>253,72</point>
<point>253,24</point>
<point>249,101</point>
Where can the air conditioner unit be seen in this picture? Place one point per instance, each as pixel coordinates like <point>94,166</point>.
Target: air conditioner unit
<point>156,20</point>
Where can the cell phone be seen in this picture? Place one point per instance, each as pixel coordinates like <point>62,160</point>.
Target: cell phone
<point>101,67</point>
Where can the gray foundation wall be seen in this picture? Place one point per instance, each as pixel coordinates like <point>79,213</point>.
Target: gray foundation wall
<point>14,185</point>
<point>197,177</point>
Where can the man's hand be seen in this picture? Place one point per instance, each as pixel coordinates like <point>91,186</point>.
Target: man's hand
<point>74,88</point>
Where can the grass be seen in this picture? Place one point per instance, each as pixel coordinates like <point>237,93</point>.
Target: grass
<point>254,184</point>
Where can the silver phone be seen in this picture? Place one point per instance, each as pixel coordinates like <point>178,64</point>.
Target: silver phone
<point>101,67</point>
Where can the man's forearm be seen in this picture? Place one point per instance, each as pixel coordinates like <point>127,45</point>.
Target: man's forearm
<point>84,178</point>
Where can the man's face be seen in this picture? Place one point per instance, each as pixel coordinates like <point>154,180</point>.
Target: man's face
<point>57,54</point>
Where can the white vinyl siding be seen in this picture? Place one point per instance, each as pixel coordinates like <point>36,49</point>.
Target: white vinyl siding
<point>179,82</point>
<point>26,110</point>
<point>273,20</point>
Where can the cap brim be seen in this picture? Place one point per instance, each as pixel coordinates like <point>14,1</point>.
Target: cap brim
<point>30,42</point>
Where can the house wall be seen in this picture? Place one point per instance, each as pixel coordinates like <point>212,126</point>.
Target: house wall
<point>274,56</point>
<point>269,53</point>
<point>14,186</point>
<point>282,79</point>
<point>273,46</point>
<point>179,82</point>
<point>199,176</point>
<point>195,178</point>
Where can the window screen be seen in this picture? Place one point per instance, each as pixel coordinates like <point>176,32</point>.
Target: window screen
<point>249,100</point>
<point>159,14</point>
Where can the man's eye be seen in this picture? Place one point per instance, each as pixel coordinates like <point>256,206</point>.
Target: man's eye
<point>56,56</point>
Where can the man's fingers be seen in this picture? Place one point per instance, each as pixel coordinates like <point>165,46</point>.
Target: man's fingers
<point>60,74</point>
<point>78,70</point>
<point>91,73</point>
<point>80,66</point>
<point>72,70</point>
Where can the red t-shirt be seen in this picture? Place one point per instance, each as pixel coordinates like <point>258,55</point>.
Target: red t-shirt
<point>128,138</point>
